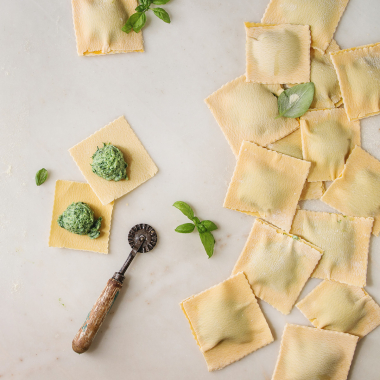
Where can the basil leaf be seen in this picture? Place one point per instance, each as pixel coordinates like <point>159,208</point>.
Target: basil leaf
<point>196,220</point>
<point>140,22</point>
<point>162,14</point>
<point>140,8</point>
<point>129,25</point>
<point>160,2</point>
<point>208,242</point>
<point>185,209</point>
<point>186,228</point>
<point>210,226</point>
<point>201,228</point>
<point>41,177</point>
<point>294,102</point>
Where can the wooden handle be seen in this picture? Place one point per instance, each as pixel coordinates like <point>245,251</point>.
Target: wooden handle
<point>86,334</point>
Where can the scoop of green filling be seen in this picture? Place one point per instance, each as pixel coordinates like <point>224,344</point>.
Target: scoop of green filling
<point>108,163</point>
<point>79,219</point>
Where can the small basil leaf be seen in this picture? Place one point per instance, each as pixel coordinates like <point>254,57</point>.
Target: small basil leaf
<point>295,101</point>
<point>140,22</point>
<point>129,25</point>
<point>185,228</point>
<point>196,220</point>
<point>210,226</point>
<point>160,2</point>
<point>162,14</point>
<point>201,228</point>
<point>185,209</point>
<point>140,8</point>
<point>208,242</point>
<point>41,177</point>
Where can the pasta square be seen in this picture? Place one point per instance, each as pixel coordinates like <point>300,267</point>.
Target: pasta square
<point>140,166</point>
<point>267,183</point>
<point>227,322</point>
<point>67,192</point>
<point>340,307</point>
<point>323,17</point>
<point>344,240</point>
<point>357,191</point>
<point>328,138</point>
<point>277,265</point>
<point>98,26</point>
<point>358,71</point>
<point>247,112</point>
<point>308,353</point>
<point>278,54</point>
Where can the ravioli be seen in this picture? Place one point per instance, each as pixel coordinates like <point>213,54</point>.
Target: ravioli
<point>277,54</point>
<point>308,353</point>
<point>247,112</point>
<point>267,183</point>
<point>358,71</point>
<point>357,191</point>
<point>328,138</point>
<point>227,322</point>
<point>344,240</point>
<point>341,307</point>
<point>277,265</point>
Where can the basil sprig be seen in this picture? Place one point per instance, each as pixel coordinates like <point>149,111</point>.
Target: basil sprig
<point>41,177</point>
<point>137,21</point>
<point>295,101</point>
<point>204,228</point>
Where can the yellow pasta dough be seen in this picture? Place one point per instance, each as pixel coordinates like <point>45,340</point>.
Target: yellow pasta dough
<point>140,166</point>
<point>357,191</point>
<point>247,112</point>
<point>358,71</point>
<point>344,240</point>
<point>322,15</point>
<point>98,26</point>
<point>67,192</point>
<point>227,322</point>
<point>308,353</point>
<point>277,265</point>
<point>328,138</point>
<point>278,54</point>
<point>340,307</point>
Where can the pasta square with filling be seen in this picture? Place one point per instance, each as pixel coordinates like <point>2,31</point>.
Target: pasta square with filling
<point>358,71</point>
<point>267,183</point>
<point>98,26</point>
<point>67,192</point>
<point>308,353</point>
<point>323,17</point>
<point>357,191</point>
<point>227,322</point>
<point>340,307</point>
<point>247,112</point>
<point>344,240</point>
<point>277,54</point>
<point>277,265</point>
<point>328,138</point>
<point>140,166</point>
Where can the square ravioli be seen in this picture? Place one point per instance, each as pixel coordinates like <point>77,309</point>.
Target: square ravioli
<point>291,145</point>
<point>308,353</point>
<point>357,191</point>
<point>344,240</point>
<point>340,307</point>
<point>227,322</point>
<point>277,265</point>
<point>140,166</point>
<point>277,54</point>
<point>358,71</point>
<point>67,192</point>
<point>267,183</point>
<point>322,15</point>
<point>247,112</point>
<point>98,26</point>
<point>328,138</point>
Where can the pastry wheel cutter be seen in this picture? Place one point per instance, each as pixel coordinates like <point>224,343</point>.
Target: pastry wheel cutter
<point>142,238</point>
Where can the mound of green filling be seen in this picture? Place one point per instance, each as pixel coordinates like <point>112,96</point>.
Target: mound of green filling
<point>108,163</point>
<point>79,219</point>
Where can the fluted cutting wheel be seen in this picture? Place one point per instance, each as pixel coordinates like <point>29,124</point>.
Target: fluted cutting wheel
<point>143,230</point>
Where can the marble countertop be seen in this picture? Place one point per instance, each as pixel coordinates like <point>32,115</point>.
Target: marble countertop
<point>50,99</point>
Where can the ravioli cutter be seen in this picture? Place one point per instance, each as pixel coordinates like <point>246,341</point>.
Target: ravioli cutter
<point>142,238</point>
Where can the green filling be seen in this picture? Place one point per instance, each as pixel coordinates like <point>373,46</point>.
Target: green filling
<point>79,219</point>
<point>108,163</point>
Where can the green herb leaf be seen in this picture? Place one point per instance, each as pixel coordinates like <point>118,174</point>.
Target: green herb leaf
<point>41,177</point>
<point>140,22</point>
<point>294,102</point>
<point>146,3</point>
<point>162,14</point>
<point>210,226</point>
<point>186,228</point>
<point>196,220</point>
<point>140,8</point>
<point>201,228</point>
<point>160,2</point>
<point>129,25</point>
<point>185,209</point>
<point>208,242</point>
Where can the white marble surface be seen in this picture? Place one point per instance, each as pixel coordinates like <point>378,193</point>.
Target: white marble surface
<point>50,99</point>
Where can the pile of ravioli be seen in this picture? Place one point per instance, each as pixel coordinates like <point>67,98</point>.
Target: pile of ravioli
<point>281,161</point>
